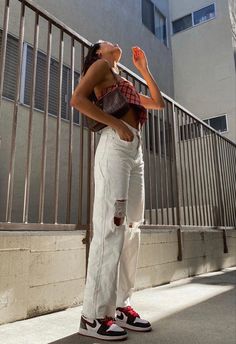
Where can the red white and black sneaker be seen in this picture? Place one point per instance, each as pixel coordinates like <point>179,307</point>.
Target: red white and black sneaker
<point>127,317</point>
<point>105,329</point>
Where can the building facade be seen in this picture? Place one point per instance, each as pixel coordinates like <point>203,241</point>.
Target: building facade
<point>204,63</point>
<point>189,44</point>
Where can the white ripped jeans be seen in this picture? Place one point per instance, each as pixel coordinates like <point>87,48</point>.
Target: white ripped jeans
<point>119,196</point>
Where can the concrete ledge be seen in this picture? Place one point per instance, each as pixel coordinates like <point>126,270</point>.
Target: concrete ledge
<point>43,272</point>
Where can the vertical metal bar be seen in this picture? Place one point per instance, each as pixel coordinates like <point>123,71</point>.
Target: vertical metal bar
<point>170,146</point>
<point>195,169</point>
<point>15,115</point>
<point>176,159</point>
<point>207,184</point>
<point>165,166</point>
<point>214,179</point>
<point>189,167</point>
<point>160,162</point>
<point>206,218</point>
<point>149,166</point>
<point>81,153</point>
<point>201,205</point>
<point>232,160</point>
<point>210,177</point>
<point>229,183</point>
<point>29,142</point>
<point>45,126</point>
<point>155,163</point>
<point>186,161</point>
<point>193,161</point>
<point>70,148</point>
<point>233,181</point>
<point>219,182</point>
<point>230,201</point>
<point>58,137</point>
<point>4,49</point>
<point>183,164</point>
<point>223,164</point>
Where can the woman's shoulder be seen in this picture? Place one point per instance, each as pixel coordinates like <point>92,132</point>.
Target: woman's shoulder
<point>101,65</point>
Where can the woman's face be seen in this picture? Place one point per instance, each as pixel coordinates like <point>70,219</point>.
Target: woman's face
<point>109,49</point>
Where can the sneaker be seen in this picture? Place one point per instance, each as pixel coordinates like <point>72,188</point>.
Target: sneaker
<point>128,318</point>
<point>101,328</point>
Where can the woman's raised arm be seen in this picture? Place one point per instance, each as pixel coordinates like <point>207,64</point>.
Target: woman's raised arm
<point>156,100</point>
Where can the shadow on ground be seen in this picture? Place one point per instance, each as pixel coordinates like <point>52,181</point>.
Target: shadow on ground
<point>211,321</point>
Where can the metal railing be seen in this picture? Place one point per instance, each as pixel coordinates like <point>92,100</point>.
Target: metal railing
<point>190,169</point>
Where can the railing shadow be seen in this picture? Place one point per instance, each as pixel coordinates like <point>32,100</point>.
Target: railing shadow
<point>210,321</point>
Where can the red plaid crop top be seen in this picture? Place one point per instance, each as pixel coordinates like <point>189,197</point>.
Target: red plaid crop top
<point>132,96</point>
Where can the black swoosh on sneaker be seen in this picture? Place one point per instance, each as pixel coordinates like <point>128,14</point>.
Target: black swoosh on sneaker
<point>93,325</point>
<point>120,317</point>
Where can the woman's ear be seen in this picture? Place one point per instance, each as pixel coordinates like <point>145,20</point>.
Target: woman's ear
<point>99,54</point>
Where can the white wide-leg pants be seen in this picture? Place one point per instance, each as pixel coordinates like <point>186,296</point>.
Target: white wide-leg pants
<point>119,193</point>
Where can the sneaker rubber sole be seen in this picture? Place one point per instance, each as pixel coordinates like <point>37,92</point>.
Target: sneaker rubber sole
<point>99,336</point>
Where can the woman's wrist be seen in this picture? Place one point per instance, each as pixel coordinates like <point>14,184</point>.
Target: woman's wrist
<point>144,71</point>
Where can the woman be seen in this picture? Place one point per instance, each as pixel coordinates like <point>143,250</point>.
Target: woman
<point>119,193</point>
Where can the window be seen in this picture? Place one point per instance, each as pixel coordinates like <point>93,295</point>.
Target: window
<point>160,26</point>
<point>53,85</point>
<point>154,20</point>
<point>148,15</point>
<point>9,85</point>
<point>194,18</point>
<point>219,123</point>
<point>182,23</point>
<point>204,14</point>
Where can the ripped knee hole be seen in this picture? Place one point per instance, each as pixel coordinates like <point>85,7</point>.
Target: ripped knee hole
<point>120,212</point>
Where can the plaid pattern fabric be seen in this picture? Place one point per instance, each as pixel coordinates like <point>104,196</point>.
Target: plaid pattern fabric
<point>132,96</point>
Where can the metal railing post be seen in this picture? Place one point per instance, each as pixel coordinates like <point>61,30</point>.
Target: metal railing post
<point>176,159</point>
<point>221,219</point>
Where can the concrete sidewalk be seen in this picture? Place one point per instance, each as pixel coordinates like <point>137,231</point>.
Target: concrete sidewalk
<point>196,310</point>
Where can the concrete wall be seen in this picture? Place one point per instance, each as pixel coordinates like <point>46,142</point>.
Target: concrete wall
<point>45,272</point>
<point>203,60</point>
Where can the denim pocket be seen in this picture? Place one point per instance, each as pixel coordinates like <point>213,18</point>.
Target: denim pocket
<point>117,139</point>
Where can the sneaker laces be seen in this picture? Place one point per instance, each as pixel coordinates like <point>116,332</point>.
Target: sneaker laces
<point>131,311</point>
<point>108,321</point>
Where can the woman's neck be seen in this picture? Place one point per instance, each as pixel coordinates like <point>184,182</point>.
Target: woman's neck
<point>112,63</point>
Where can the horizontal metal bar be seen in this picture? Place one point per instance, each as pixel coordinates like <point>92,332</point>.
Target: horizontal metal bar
<point>46,15</point>
<point>56,22</point>
<point>40,226</point>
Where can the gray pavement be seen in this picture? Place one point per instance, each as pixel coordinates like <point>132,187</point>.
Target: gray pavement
<point>196,310</point>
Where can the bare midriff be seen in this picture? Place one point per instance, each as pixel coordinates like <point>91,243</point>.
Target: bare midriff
<point>131,118</point>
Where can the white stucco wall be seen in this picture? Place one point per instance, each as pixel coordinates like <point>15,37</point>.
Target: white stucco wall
<point>203,62</point>
<point>45,272</point>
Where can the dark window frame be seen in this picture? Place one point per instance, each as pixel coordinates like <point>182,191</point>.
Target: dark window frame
<point>9,87</point>
<point>208,121</point>
<point>151,26</point>
<point>53,86</point>
<point>192,17</point>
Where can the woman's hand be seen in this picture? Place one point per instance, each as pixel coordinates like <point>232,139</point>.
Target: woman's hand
<point>139,59</point>
<point>125,133</point>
